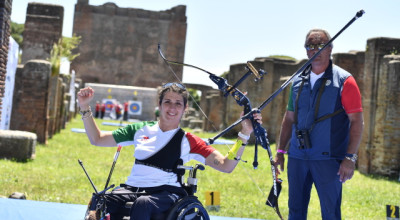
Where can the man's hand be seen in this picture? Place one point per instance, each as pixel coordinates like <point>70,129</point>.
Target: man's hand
<point>279,161</point>
<point>346,170</point>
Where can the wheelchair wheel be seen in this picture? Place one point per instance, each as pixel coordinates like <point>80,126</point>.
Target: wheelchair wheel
<point>188,208</point>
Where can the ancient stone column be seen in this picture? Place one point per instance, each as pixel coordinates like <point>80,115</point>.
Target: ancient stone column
<point>30,102</point>
<point>353,62</point>
<point>374,81</point>
<point>385,152</point>
<point>43,28</point>
<point>214,108</point>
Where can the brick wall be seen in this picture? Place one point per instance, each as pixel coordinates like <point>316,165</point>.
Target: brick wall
<point>119,45</point>
<point>385,148</point>
<point>374,109</point>
<point>31,99</point>
<point>37,42</point>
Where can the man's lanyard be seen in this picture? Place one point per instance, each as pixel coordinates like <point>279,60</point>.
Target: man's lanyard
<point>320,91</point>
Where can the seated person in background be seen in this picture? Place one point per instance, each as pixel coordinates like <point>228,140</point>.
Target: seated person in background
<point>159,145</point>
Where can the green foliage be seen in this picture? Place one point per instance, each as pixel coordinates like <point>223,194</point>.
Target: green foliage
<point>16,32</point>
<point>63,48</point>
<point>68,44</point>
<point>283,57</point>
<point>195,98</point>
<point>394,51</point>
<point>223,75</point>
<point>55,176</point>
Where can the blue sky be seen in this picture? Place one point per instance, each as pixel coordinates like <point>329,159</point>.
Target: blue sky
<point>225,32</point>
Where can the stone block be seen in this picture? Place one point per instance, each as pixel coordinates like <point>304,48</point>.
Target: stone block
<point>19,145</point>
<point>196,124</point>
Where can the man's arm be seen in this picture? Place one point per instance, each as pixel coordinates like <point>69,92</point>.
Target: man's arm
<point>347,167</point>
<point>284,138</point>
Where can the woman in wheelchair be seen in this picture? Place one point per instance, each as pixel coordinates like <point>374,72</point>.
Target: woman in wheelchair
<point>159,146</point>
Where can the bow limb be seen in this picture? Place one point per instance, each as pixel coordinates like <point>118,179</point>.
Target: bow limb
<point>272,200</point>
<point>221,82</point>
<point>179,63</point>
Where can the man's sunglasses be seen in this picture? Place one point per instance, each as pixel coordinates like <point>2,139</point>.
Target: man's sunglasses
<point>174,84</point>
<point>313,46</point>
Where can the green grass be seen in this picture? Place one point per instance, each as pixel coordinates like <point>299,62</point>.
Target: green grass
<point>55,176</point>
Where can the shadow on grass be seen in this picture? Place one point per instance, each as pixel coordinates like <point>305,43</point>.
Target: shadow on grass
<point>14,160</point>
<point>392,178</point>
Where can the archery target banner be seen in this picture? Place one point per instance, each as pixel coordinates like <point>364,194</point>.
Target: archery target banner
<point>135,108</point>
<point>7,100</point>
<point>109,104</point>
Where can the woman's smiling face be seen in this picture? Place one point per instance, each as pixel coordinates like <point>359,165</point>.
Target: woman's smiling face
<point>171,110</point>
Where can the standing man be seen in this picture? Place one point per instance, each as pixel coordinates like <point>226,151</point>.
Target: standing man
<point>323,126</point>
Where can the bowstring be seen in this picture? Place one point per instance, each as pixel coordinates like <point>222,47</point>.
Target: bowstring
<point>180,81</point>
<point>204,114</point>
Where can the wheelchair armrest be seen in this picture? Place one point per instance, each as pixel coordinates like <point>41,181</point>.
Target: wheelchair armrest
<point>191,185</point>
<point>192,169</point>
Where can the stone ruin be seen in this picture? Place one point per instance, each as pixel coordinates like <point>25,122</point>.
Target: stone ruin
<point>37,42</point>
<point>119,45</point>
<point>19,145</point>
<point>14,144</point>
<point>41,98</point>
<point>376,71</point>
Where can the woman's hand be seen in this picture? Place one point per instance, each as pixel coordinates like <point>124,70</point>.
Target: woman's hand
<point>247,127</point>
<point>85,96</point>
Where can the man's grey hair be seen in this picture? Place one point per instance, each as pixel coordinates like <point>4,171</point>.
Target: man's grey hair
<point>321,31</point>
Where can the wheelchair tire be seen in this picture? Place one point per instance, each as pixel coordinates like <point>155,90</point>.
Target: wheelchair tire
<point>188,208</point>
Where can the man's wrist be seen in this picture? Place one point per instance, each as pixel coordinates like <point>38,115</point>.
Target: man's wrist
<point>280,151</point>
<point>351,157</point>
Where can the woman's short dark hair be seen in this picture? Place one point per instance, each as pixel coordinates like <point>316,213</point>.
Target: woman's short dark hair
<point>173,87</point>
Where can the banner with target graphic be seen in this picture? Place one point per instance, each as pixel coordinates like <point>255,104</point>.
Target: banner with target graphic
<point>135,108</point>
<point>109,104</point>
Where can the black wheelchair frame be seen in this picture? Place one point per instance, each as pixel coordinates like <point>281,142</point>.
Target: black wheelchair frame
<point>186,208</point>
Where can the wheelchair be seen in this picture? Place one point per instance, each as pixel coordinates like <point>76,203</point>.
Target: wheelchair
<point>186,208</point>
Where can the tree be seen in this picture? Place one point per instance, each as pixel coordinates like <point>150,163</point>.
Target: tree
<point>16,32</point>
<point>63,48</point>
<point>196,98</point>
